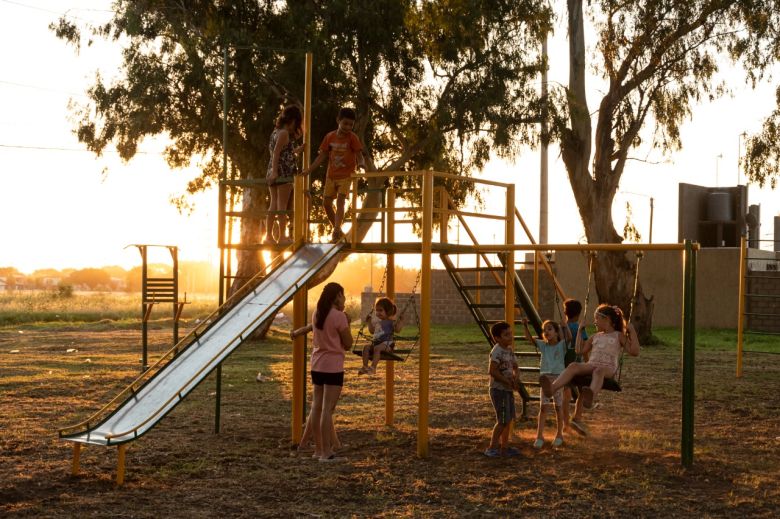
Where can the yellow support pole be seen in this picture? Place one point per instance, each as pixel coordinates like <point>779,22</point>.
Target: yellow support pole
<point>353,203</point>
<point>120,464</point>
<point>425,315</point>
<point>536,278</point>
<point>390,281</point>
<point>444,214</point>
<point>300,232</point>
<point>509,271</point>
<point>76,465</point>
<point>741,302</point>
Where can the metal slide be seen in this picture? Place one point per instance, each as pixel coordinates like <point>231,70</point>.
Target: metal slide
<point>158,395</point>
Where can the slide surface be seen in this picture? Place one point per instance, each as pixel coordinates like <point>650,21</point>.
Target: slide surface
<point>166,388</point>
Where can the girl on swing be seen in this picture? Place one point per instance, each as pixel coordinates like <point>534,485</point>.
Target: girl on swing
<point>383,326</point>
<point>612,335</point>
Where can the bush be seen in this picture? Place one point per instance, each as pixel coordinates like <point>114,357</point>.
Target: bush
<point>65,291</point>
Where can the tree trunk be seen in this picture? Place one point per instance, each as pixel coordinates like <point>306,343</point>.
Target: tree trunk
<point>613,271</point>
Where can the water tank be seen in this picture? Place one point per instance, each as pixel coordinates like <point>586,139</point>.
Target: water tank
<point>719,207</point>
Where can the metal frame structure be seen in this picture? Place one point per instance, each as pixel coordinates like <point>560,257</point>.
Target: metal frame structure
<point>158,290</point>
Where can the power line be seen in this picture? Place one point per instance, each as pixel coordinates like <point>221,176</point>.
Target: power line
<point>23,85</point>
<point>56,148</point>
<point>28,6</point>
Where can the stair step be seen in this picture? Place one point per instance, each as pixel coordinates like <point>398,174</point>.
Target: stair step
<point>478,269</point>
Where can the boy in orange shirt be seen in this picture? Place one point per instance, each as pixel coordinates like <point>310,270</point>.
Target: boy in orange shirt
<point>344,152</point>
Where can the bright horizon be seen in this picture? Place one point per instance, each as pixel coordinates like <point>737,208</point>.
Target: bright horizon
<point>63,211</point>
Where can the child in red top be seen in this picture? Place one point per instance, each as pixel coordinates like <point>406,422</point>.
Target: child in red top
<point>344,152</point>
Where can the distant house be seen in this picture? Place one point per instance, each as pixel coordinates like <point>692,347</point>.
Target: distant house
<point>118,284</point>
<point>3,285</point>
<point>21,283</point>
<point>51,283</point>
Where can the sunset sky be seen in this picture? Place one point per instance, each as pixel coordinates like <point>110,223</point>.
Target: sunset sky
<point>62,207</point>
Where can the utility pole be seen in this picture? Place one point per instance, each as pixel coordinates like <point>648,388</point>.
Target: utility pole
<point>544,138</point>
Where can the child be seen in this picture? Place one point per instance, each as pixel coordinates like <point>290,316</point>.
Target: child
<point>553,350</point>
<point>503,381</point>
<point>572,310</point>
<point>612,335</point>
<point>344,152</point>
<point>282,165</point>
<point>383,329</point>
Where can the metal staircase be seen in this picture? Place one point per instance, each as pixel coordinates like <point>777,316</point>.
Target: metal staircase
<point>484,297</point>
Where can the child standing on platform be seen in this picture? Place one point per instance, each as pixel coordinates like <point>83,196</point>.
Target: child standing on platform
<point>553,350</point>
<point>503,382</point>
<point>344,152</point>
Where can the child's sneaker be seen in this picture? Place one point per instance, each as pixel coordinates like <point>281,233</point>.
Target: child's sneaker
<point>587,398</point>
<point>539,443</point>
<point>492,453</point>
<point>363,370</point>
<point>511,451</point>
<point>578,427</point>
<point>557,442</point>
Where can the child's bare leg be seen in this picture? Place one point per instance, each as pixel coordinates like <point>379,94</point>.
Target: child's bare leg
<point>315,417</point>
<point>597,380</point>
<point>540,421</point>
<point>327,204</point>
<point>496,435</point>
<point>571,371</point>
<point>559,420</point>
<point>378,349</point>
<point>505,436</point>
<point>366,350</point>
<point>339,218</point>
<point>565,405</point>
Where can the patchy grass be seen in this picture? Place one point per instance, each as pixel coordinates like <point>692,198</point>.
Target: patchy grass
<point>628,466</point>
<point>31,307</point>
<point>721,340</point>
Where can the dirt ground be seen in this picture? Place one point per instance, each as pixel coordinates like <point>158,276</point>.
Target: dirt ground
<point>628,466</point>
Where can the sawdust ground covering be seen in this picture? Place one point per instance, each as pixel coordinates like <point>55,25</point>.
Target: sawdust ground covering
<point>628,466</point>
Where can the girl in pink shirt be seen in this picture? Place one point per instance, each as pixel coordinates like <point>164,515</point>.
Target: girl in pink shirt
<point>332,339</point>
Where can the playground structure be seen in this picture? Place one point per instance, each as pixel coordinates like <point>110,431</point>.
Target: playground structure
<point>759,295</point>
<point>158,290</point>
<point>158,390</point>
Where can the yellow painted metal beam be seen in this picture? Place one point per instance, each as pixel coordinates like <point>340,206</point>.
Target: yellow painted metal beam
<point>76,465</point>
<point>390,282</point>
<point>300,297</point>
<point>585,247</point>
<point>741,303</point>
<point>120,464</point>
<point>425,317</point>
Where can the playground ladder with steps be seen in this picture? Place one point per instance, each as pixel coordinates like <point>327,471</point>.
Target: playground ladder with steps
<point>470,285</point>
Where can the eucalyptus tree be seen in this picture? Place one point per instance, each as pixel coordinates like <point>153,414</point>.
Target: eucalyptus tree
<point>656,59</point>
<point>437,84</point>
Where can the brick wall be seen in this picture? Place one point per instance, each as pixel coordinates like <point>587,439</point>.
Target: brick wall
<point>763,312</point>
<point>448,307</point>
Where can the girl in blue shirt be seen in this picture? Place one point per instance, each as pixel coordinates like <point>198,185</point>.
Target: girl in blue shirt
<point>553,351</point>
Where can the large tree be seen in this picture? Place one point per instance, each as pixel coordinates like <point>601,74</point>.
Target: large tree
<point>657,58</point>
<point>437,84</point>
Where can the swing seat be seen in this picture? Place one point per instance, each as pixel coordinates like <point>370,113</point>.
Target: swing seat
<point>610,384</point>
<point>388,355</point>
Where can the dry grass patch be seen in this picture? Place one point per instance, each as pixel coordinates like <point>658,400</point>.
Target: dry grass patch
<point>628,466</point>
